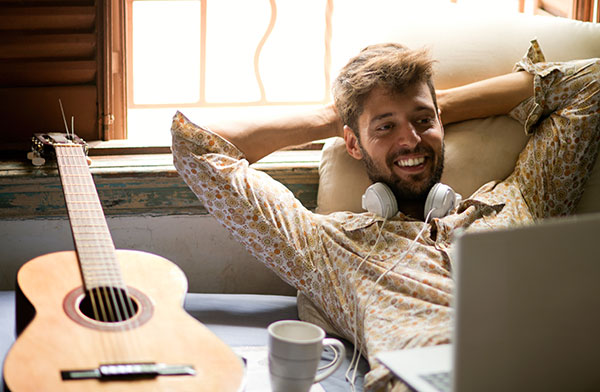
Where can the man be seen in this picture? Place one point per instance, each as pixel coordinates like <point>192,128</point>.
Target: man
<point>399,137</point>
<point>390,119</point>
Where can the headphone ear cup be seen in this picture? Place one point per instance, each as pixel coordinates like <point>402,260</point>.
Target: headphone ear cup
<point>379,199</point>
<point>441,200</point>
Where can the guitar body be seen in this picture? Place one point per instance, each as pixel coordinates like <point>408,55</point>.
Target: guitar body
<point>60,337</point>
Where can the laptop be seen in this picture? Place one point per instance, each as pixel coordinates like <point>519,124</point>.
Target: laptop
<point>526,313</point>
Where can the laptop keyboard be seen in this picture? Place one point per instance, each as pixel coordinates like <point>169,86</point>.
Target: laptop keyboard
<point>441,381</point>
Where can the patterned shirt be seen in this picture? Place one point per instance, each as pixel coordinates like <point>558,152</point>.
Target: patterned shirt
<point>336,259</point>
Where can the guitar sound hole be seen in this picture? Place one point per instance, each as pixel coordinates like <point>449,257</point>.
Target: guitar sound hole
<point>108,305</point>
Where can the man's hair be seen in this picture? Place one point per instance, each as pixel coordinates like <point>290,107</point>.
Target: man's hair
<point>391,66</point>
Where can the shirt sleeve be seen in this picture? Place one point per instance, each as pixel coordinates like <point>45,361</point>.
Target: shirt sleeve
<point>259,212</point>
<point>563,117</point>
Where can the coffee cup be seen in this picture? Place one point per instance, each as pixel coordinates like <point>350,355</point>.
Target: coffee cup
<point>295,349</point>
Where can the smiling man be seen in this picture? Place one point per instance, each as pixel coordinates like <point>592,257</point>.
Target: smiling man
<point>399,138</point>
<point>390,116</point>
<point>387,101</point>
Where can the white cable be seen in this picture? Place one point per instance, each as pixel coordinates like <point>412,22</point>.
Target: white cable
<point>352,379</point>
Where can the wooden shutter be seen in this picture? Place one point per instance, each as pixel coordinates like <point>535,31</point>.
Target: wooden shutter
<point>50,50</point>
<point>573,9</point>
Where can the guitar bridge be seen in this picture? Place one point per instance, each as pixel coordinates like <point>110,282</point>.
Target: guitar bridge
<point>129,371</point>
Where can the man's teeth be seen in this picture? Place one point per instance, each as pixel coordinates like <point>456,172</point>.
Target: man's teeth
<point>410,162</point>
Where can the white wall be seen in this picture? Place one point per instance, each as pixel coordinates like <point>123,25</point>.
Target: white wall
<point>210,258</point>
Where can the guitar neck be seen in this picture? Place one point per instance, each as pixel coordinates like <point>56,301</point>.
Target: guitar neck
<point>93,242</point>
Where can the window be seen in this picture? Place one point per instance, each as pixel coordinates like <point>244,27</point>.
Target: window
<point>223,58</point>
<point>226,58</point>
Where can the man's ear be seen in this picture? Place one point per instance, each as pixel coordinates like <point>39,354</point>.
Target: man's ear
<point>352,143</point>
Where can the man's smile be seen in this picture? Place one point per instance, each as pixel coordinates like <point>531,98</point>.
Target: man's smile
<point>411,165</point>
<point>410,162</point>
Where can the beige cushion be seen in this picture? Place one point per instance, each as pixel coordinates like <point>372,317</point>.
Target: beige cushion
<point>468,49</point>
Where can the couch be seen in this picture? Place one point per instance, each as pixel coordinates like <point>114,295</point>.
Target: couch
<point>467,47</point>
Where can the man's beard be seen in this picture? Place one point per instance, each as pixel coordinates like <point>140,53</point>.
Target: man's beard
<point>402,189</point>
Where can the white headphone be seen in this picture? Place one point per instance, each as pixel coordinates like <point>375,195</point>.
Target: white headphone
<point>379,199</point>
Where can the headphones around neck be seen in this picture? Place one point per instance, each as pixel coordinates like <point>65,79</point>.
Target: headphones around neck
<point>379,199</point>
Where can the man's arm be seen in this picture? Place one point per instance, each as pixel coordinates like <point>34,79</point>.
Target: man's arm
<point>258,138</point>
<point>490,97</point>
<point>260,212</point>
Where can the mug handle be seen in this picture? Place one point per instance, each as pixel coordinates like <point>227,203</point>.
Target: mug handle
<point>340,350</point>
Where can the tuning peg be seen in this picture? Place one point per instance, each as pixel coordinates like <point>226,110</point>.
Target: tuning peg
<point>35,158</point>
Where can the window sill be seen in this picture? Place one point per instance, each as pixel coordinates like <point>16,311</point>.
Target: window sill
<point>127,147</point>
<point>135,184</point>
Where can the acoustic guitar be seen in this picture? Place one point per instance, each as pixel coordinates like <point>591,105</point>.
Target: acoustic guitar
<point>100,319</point>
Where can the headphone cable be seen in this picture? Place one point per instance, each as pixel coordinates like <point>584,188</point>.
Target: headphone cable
<point>355,359</point>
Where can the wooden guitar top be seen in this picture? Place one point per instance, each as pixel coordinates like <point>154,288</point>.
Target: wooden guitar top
<point>61,338</point>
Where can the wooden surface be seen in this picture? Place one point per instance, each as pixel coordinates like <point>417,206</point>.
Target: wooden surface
<point>138,184</point>
<point>53,342</point>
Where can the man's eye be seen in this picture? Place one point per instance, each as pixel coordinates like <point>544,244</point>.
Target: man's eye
<point>385,127</point>
<point>425,121</point>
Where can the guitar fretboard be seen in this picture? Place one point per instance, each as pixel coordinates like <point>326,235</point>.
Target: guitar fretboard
<point>93,242</point>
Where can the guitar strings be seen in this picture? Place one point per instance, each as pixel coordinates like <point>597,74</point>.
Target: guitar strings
<point>99,311</point>
<point>111,302</point>
<point>73,194</point>
<point>64,153</point>
<point>94,294</point>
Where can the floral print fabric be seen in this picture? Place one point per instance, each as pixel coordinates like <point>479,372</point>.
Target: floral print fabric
<point>325,256</point>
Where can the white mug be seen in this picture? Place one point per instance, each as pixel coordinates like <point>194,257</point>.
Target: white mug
<point>295,349</point>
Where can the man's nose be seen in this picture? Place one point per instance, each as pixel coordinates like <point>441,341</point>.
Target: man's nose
<point>407,136</point>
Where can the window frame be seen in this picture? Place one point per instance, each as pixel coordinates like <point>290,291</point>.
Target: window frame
<point>114,110</point>
<point>203,102</point>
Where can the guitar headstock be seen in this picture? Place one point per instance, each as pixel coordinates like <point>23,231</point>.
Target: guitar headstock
<point>42,145</point>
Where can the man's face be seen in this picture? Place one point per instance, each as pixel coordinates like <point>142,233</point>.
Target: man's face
<point>401,140</point>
